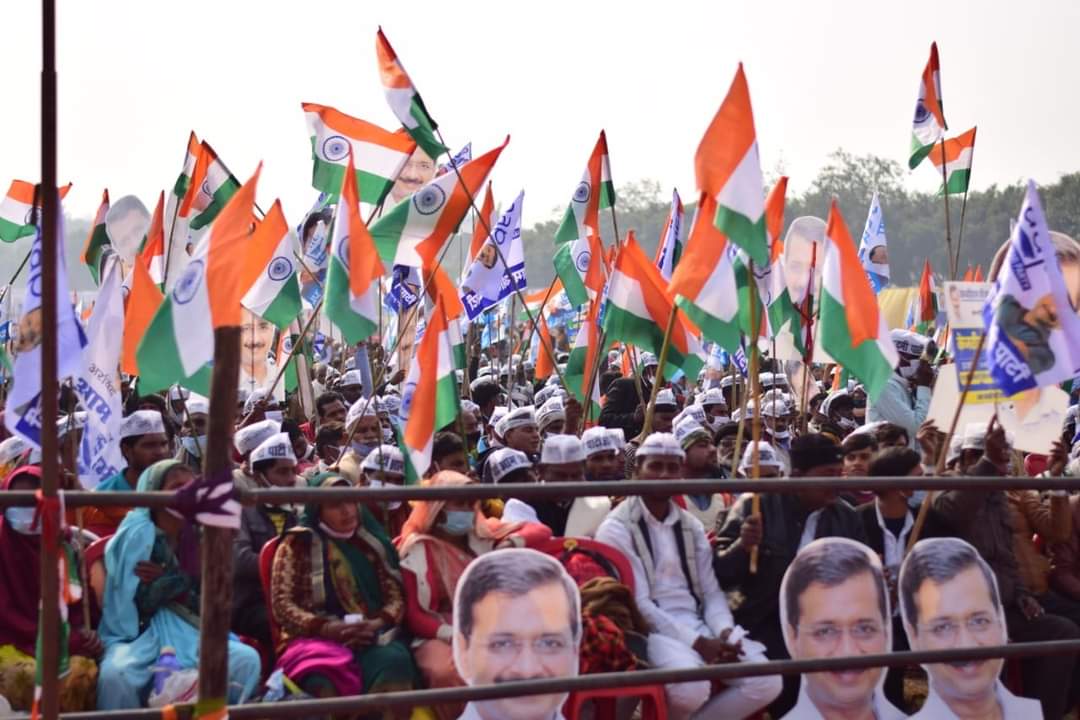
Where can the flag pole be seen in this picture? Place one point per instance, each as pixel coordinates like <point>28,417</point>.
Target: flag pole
<point>739,433</point>
<point>807,313</point>
<point>594,374</point>
<point>15,275</point>
<point>948,224</point>
<point>963,211</point>
<point>755,390</point>
<point>50,250</point>
<point>660,362</point>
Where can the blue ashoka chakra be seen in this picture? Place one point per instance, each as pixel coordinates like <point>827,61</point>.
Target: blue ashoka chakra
<point>921,113</point>
<point>343,252</point>
<point>280,268</point>
<point>189,283</point>
<point>582,261</point>
<point>429,199</point>
<point>583,192</point>
<point>29,217</point>
<point>287,344</point>
<point>335,148</point>
<point>206,188</point>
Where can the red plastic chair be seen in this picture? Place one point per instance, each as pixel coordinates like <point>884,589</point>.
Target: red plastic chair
<point>653,702</point>
<point>266,567</point>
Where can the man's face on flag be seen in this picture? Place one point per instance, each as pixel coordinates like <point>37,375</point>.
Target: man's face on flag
<point>418,172</point>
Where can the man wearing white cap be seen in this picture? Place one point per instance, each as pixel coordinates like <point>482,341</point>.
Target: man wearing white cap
<point>562,459</point>
<point>364,417</point>
<point>624,406</point>
<point>273,464</point>
<point>143,442</point>
<point>193,432</point>
<point>603,453</point>
<point>905,400</point>
<point>351,386</point>
<point>383,466</point>
<point>716,408</point>
<point>972,446</point>
<point>505,465</point>
<point>700,464</point>
<point>515,429</point>
<point>551,417</point>
<point>663,421</point>
<point>677,593</point>
<point>770,463</point>
<point>246,439</point>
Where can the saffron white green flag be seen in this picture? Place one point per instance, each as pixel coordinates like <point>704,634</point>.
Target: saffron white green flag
<point>578,254</point>
<point>275,296</point>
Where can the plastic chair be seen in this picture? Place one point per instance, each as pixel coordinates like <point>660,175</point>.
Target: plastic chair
<point>653,701</point>
<point>266,567</point>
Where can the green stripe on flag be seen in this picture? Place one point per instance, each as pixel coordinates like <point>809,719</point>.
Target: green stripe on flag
<point>180,187</point>
<point>353,326</point>
<point>607,195</point>
<point>159,358</point>
<point>866,362</point>
<point>10,232</point>
<point>99,239</point>
<point>573,283</point>
<point>286,304</point>
<point>958,182</point>
<point>724,332</point>
<point>918,151</point>
<point>424,132</point>
<point>327,177</point>
<point>221,197</point>
<point>567,231</point>
<point>387,230</point>
<point>647,335</point>
<point>748,235</point>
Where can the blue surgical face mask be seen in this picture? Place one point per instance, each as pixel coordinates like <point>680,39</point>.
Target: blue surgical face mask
<point>458,522</point>
<point>362,449</point>
<point>21,519</point>
<point>194,445</point>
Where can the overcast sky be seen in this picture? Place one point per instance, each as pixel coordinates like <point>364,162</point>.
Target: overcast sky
<point>136,76</point>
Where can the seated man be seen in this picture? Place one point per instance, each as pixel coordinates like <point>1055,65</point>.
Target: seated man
<point>193,431</point>
<point>678,595</point>
<point>363,422</point>
<point>551,417</point>
<point>835,604</point>
<point>700,464</point>
<point>663,420</point>
<point>859,449</point>
<point>562,459</point>
<point>246,439</point>
<point>603,453</point>
<point>946,584</point>
<point>716,409</point>
<point>769,462</point>
<point>787,523</point>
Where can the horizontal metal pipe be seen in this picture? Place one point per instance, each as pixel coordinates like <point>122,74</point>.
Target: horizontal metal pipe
<point>556,491</point>
<point>369,703</point>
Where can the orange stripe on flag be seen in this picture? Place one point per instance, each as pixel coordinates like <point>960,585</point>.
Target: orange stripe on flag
<point>421,424</point>
<point>364,263</point>
<point>544,367</point>
<point>728,137</point>
<point>481,232</point>
<point>142,304</point>
<point>440,286</point>
<point>953,147</point>
<point>358,129</point>
<point>858,300</point>
<point>931,79</point>
<point>632,262</point>
<point>391,72</point>
<point>774,216</point>
<point>236,256</point>
<point>704,249</point>
<point>155,236</point>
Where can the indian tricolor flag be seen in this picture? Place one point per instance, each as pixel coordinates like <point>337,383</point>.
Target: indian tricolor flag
<point>212,185</point>
<point>191,156</point>
<point>772,286</point>
<point>275,296</point>
<point>851,329</point>
<point>152,255</point>
<point>541,349</point>
<point>16,216</point>
<point>638,308</point>
<point>929,126</point>
<point>352,281</point>
<point>579,252</point>
<point>379,155</point>
<point>581,367</point>
<point>140,305</point>
<point>707,285</point>
<point>924,309</point>
<point>481,228</point>
<point>728,169</point>
<point>228,259</point>
<point>414,230</point>
<point>433,403</point>
<point>97,240</point>
<point>669,250</point>
<point>404,100</point>
<point>957,154</point>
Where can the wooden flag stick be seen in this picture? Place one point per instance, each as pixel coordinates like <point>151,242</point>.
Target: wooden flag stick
<point>948,223</point>
<point>963,212</point>
<point>754,389</point>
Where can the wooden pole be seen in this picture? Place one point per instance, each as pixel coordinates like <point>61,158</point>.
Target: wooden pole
<point>594,373</point>
<point>755,390</point>
<point>960,239</point>
<point>217,566</point>
<point>651,407</point>
<point>948,230</point>
<point>50,256</point>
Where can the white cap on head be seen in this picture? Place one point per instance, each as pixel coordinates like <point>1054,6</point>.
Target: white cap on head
<point>1072,413</point>
<point>469,406</point>
<point>276,447</point>
<point>661,444</point>
<point>363,407</point>
<point>351,377</point>
<point>391,403</point>
<point>768,379</point>
<point>547,392</point>
<point>256,396</point>
<point>504,461</point>
<point>559,449</point>
<point>197,405</point>
<point>974,436</point>
<point>601,439</point>
<point>767,457</point>
<point>694,412</point>
<point>729,380</point>
<point>774,407</point>
<point>518,417</point>
<point>907,342</point>
<point>689,431</point>
<point>12,448</point>
<point>142,422</point>
<point>713,396</point>
<point>178,393</point>
<point>550,411</point>
<point>666,398</point>
<point>248,438</point>
<point>647,360</point>
<point>385,458</point>
<point>956,446</point>
<point>827,404</point>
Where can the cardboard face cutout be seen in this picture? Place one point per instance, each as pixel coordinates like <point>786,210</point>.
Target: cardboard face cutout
<point>834,602</point>
<point>517,616</point>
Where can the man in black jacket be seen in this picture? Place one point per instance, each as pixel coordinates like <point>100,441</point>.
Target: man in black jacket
<point>787,522</point>
<point>624,407</point>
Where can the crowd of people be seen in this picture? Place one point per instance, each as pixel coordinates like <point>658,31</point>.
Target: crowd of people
<point>340,598</point>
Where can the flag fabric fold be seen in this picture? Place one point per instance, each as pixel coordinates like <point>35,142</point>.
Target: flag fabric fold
<point>210,188</point>
<point>873,248</point>
<point>16,216</point>
<point>96,240</point>
<point>669,250</point>
<point>404,100</point>
<point>275,296</point>
<point>958,152</point>
<point>579,252</point>
<point>928,126</point>
<point>581,365</point>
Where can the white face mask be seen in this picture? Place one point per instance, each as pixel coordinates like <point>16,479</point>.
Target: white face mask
<point>334,533</point>
<point>392,505</point>
<point>907,368</point>
<point>388,435</point>
<point>274,415</point>
<point>194,445</point>
<point>21,519</point>
<point>847,423</point>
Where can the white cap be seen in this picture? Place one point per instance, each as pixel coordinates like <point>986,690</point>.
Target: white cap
<point>504,461</point>
<point>275,447</point>
<point>484,372</point>
<point>518,417</point>
<point>666,398</point>
<point>248,438</point>
<point>692,412</point>
<point>661,444</point>
<point>550,411</point>
<point>256,396</point>
<point>385,458</point>
<point>363,407</point>
<point>601,439</point>
<point>647,360</point>
<point>392,403</point>
<point>974,436</point>
<point>690,431</point>
<point>546,392</point>
<point>77,421</point>
<point>768,379</point>
<point>774,407</point>
<point>737,413</point>
<point>142,422</point>
<point>956,446</point>
<point>469,406</point>
<point>559,449</point>
<point>907,342</point>
<point>729,380</point>
<point>1072,413</point>
<point>713,396</point>
<point>351,377</point>
<point>497,414</point>
<point>767,457</point>
<point>178,393</point>
<point>827,405</point>
<point>12,448</point>
<point>197,405</point>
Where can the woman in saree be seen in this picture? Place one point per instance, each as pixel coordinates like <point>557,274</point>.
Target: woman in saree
<point>439,540</point>
<point>152,600</point>
<point>20,577</point>
<point>338,599</point>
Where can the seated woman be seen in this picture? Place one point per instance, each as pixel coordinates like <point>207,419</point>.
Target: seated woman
<point>439,540</point>
<point>20,577</point>
<point>152,600</point>
<point>337,596</point>
<point>273,464</point>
